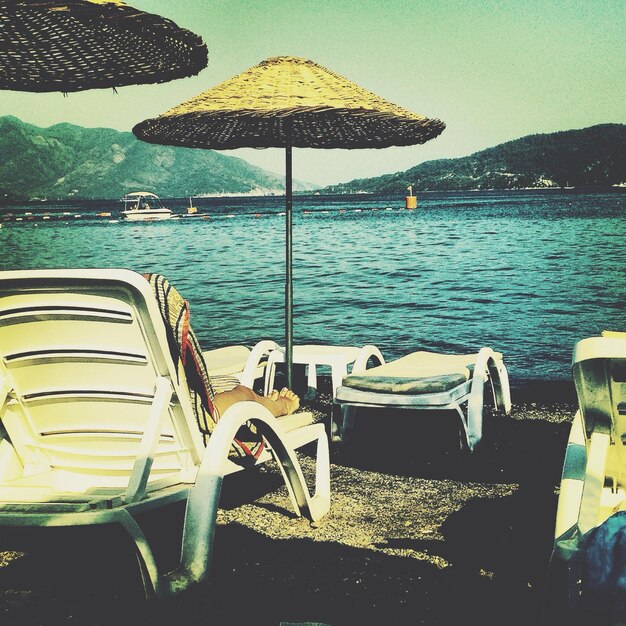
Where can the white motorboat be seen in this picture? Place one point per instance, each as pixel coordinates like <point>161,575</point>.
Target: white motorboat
<point>143,206</point>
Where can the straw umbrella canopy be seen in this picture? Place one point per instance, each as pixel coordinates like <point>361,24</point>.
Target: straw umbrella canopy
<point>71,45</point>
<point>287,102</point>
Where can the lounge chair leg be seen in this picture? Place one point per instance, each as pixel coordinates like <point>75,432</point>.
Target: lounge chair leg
<point>335,424</point>
<point>500,387</point>
<point>464,443</point>
<point>198,533</point>
<point>319,504</point>
<point>347,422</point>
<point>145,557</point>
<point>505,388</point>
<point>342,425</point>
<point>311,382</point>
<point>475,411</point>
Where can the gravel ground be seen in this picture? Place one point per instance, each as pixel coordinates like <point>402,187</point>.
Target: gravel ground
<point>418,533</point>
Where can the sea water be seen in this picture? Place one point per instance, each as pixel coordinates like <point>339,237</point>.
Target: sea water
<point>528,273</point>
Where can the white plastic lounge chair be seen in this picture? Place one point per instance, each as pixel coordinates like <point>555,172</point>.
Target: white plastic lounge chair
<point>337,358</point>
<point>238,361</point>
<point>427,380</point>
<point>593,484</point>
<point>100,425</point>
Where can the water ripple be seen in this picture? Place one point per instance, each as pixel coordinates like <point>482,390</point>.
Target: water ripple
<point>529,273</point>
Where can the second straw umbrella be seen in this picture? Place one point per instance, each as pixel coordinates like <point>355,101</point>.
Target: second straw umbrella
<point>288,102</point>
<point>72,45</point>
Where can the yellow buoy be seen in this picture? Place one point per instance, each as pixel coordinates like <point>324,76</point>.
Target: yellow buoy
<point>191,209</point>
<point>410,202</point>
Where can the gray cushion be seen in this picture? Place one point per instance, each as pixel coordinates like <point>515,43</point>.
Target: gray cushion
<point>395,384</point>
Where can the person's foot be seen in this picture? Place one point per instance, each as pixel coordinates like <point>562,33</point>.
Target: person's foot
<point>291,400</point>
<point>273,395</point>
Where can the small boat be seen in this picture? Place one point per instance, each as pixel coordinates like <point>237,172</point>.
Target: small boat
<point>143,206</point>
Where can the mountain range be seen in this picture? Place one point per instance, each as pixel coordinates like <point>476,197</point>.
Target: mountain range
<point>590,157</point>
<point>68,161</point>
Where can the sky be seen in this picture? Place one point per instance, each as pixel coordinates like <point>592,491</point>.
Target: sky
<point>492,70</point>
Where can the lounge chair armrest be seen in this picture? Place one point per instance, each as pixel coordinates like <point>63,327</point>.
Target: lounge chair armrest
<point>490,366</point>
<point>487,366</point>
<point>482,362</point>
<point>261,350</point>
<point>143,463</point>
<point>204,496</point>
<point>366,353</point>
<point>215,458</point>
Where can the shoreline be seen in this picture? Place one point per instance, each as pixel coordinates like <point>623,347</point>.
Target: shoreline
<point>231,196</point>
<point>417,534</point>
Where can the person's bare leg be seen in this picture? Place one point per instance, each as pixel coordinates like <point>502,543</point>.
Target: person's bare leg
<point>283,403</point>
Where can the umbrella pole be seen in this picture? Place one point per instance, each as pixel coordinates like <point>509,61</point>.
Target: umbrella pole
<point>288,272</point>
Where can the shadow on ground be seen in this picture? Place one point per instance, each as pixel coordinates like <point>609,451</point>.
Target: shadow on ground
<point>485,564</point>
<point>265,581</point>
<point>524,447</point>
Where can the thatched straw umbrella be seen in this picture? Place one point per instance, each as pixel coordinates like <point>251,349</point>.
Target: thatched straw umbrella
<point>71,45</point>
<point>286,102</point>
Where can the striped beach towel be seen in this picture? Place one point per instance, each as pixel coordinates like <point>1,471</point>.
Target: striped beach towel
<point>184,346</point>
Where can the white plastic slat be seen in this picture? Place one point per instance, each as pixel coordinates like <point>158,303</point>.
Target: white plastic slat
<point>67,334</point>
<point>81,375</point>
<point>88,414</point>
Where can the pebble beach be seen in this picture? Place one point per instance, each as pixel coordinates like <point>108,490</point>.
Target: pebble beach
<point>418,533</point>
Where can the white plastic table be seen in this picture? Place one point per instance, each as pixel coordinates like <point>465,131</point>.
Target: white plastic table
<point>336,357</point>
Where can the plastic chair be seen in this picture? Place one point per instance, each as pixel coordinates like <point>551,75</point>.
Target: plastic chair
<point>427,381</point>
<point>100,425</point>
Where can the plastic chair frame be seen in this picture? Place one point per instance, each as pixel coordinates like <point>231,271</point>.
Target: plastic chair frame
<point>200,488</point>
<point>488,368</point>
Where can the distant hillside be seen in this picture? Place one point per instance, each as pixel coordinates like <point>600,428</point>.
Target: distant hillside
<point>590,157</point>
<point>67,161</point>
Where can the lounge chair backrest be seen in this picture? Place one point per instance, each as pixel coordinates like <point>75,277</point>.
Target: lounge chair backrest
<point>599,368</point>
<point>85,363</point>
